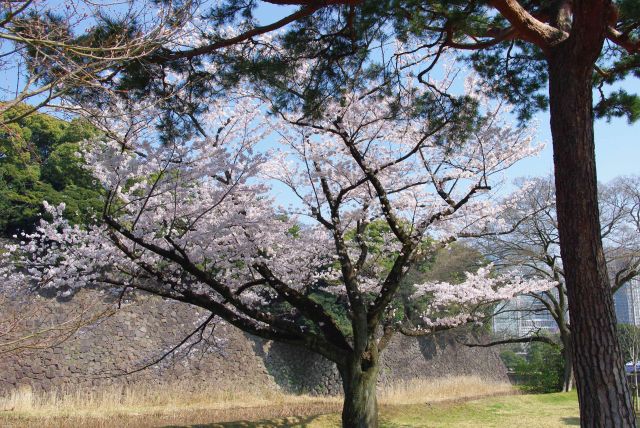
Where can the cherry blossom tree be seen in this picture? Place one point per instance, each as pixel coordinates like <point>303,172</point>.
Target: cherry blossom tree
<point>194,219</point>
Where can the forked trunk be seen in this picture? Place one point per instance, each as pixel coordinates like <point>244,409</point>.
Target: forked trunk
<point>360,408</point>
<point>603,392</point>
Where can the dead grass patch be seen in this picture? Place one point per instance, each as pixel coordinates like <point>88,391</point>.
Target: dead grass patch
<point>156,405</point>
<point>442,389</point>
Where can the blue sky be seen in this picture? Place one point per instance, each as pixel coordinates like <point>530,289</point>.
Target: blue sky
<point>617,149</point>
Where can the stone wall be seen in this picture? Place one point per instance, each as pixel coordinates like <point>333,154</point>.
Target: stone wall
<point>140,331</point>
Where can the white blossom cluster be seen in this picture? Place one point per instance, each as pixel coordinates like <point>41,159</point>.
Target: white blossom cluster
<point>483,286</point>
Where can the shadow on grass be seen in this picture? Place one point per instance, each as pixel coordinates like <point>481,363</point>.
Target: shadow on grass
<point>571,421</point>
<point>291,422</point>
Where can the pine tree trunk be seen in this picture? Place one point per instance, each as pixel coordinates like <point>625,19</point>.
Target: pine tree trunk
<point>603,392</point>
<point>360,408</point>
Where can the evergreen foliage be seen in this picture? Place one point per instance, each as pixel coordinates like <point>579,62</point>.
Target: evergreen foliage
<point>541,368</point>
<point>39,161</point>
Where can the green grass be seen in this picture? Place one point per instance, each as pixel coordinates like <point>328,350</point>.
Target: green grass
<point>522,411</point>
<point>545,410</point>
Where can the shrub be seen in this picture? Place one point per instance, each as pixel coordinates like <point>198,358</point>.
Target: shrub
<point>540,370</point>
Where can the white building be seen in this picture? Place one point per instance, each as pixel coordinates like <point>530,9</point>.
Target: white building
<point>522,317</point>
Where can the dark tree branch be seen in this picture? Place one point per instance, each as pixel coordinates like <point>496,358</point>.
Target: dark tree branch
<point>542,339</point>
<point>308,9</point>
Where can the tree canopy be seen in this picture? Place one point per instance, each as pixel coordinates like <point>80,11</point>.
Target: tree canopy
<point>40,161</point>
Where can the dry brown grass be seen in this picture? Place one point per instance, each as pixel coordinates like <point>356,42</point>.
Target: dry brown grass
<point>442,389</point>
<point>153,405</point>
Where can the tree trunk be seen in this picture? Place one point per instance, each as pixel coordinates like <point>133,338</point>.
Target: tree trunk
<point>600,379</point>
<point>567,354</point>
<point>360,407</point>
<point>567,379</point>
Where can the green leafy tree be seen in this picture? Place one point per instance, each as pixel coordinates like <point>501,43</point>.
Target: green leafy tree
<point>39,161</point>
<point>540,370</point>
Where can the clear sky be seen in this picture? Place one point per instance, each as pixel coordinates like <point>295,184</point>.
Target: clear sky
<point>617,147</point>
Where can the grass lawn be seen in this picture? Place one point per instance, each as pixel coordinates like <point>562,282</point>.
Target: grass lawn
<point>535,411</point>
